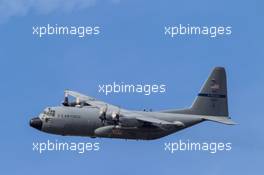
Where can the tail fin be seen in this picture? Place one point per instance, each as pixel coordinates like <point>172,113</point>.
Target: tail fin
<point>211,102</point>
<point>212,99</point>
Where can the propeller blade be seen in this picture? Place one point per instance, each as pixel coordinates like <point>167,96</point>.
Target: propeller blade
<point>66,99</point>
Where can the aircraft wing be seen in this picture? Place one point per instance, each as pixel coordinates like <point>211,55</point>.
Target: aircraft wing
<point>158,122</point>
<point>153,120</point>
<point>89,100</point>
<point>79,95</point>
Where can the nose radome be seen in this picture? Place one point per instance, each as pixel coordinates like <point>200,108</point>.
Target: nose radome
<point>36,123</point>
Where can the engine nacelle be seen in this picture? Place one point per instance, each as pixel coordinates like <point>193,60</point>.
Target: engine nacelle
<point>111,130</point>
<point>104,131</point>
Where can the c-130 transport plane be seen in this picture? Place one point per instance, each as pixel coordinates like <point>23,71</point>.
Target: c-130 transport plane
<point>88,116</point>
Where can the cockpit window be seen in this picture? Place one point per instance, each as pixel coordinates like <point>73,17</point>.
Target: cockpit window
<point>49,112</point>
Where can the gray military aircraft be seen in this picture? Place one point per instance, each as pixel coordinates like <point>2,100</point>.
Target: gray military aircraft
<point>88,116</point>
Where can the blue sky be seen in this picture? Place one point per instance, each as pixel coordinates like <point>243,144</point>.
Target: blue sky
<point>131,48</point>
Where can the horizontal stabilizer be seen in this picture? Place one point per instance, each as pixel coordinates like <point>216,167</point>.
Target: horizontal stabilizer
<point>219,119</point>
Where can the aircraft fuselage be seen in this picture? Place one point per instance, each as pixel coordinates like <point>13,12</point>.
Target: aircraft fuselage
<point>85,121</point>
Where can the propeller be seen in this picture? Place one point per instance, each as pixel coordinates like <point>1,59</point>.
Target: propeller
<point>112,118</point>
<point>78,102</point>
<point>66,99</point>
<point>102,114</point>
<point>116,115</point>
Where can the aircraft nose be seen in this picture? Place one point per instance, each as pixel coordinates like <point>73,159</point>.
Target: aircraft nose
<point>36,123</point>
